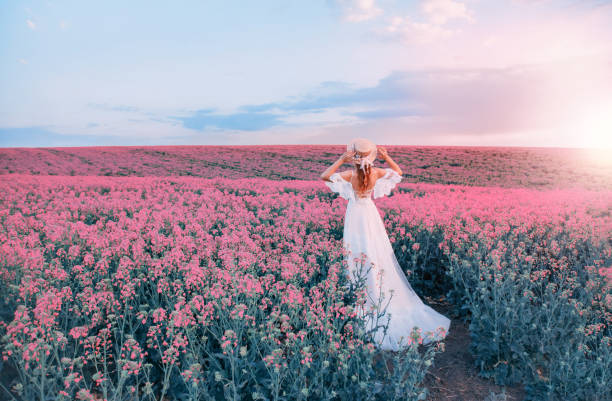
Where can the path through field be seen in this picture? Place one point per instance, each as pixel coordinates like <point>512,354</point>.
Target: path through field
<point>453,376</point>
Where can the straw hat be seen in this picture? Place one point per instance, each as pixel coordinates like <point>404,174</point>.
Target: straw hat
<point>363,145</point>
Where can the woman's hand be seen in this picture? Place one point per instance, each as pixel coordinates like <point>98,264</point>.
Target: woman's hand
<point>347,156</point>
<point>383,153</point>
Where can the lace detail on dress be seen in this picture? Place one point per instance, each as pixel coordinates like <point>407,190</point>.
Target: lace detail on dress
<point>384,185</point>
<point>364,194</point>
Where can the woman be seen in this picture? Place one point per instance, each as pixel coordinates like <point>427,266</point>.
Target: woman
<point>365,236</point>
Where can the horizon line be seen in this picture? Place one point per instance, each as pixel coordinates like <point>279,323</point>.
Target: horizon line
<point>308,144</point>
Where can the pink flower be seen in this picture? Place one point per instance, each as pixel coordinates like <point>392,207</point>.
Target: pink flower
<point>79,331</point>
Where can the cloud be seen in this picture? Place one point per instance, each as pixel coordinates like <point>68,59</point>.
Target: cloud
<point>31,24</point>
<point>356,10</point>
<point>440,11</point>
<point>42,136</point>
<point>330,102</point>
<point>22,61</point>
<point>429,27</point>
<point>200,120</point>
<point>36,136</point>
<point>389,89</point>
<point>108,107</point>
<point>39,136</point>
<point>408,31</point>
<point>470,102</point>
<point>388,113</point>
<point>63,25</point>
<point>538,104</point>
<point>479,101</point>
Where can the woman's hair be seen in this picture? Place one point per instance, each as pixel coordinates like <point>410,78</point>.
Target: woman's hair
<point>363,178</point>
<point>365,146</point>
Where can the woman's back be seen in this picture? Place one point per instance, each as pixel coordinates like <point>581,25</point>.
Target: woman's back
<point>347,187</point>
<point>375,174</point>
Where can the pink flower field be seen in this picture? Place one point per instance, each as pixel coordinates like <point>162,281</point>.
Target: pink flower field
<point>542,168</point>
<point>173,273</point>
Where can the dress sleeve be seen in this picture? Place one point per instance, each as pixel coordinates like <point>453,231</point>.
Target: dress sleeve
<point>340,185</point>
<point>384,185</point>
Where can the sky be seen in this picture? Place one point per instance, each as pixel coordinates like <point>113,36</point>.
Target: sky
<point>423,72</point>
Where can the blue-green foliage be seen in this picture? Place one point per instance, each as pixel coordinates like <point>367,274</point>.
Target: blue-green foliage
<point>538,310</point>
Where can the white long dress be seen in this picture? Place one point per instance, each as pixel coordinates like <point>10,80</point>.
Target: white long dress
<point>386,284</point>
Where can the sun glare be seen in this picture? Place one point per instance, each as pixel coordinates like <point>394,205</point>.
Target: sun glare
<point>592,130</point>
<point>594,127</point>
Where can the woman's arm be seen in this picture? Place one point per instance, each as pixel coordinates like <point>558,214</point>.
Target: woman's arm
<point>388,159</point>
<point>346,156</point>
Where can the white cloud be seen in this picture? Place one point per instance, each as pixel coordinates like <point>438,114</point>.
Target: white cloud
<point>440,11</point>
<point>414,32</point>
<point>518,106</point>
<point>358,10</point>
<point>63,25</point>
<point>428,29</point>
<point>31,24</point>
<point>22,61</point>
<point>337,115</point>
<point>490,40</point>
